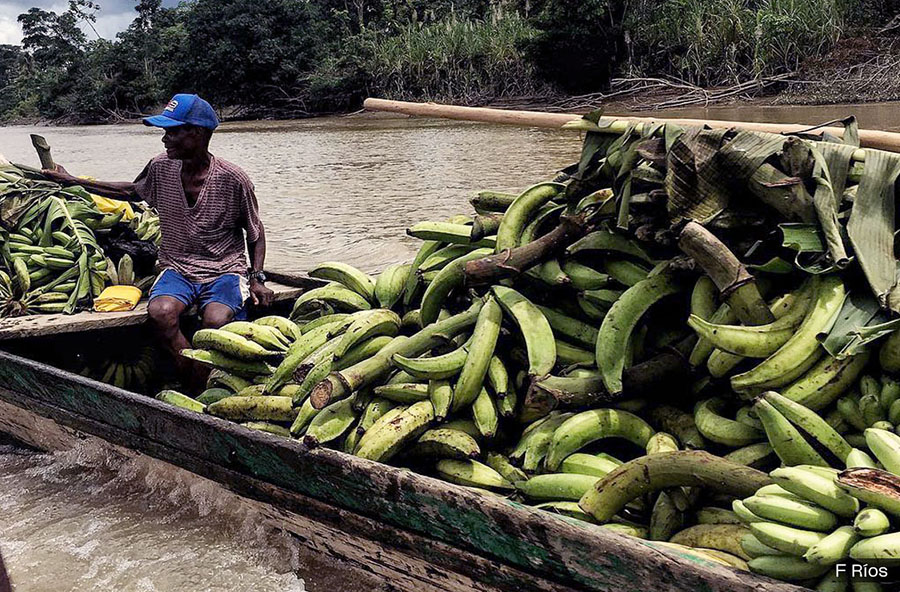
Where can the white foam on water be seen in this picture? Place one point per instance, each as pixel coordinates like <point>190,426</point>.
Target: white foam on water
<point>89,519</point>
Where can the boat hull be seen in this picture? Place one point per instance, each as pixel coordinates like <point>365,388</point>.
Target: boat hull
<point>461,535</point>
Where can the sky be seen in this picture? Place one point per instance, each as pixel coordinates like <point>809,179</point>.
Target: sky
<point>114,16</point>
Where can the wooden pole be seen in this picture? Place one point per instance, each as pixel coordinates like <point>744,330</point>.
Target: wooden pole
<point>867,138</point>
<point>43,151</point>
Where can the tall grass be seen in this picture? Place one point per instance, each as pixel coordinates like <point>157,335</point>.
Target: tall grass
<point>712,42</point>
<point>456,60</point>
<point>788,31</point>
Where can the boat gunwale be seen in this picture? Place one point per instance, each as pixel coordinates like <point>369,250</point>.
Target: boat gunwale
<point>519,536</point>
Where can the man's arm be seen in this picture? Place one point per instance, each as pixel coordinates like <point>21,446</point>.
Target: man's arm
<point>259,292</point>
<point>122,190</point>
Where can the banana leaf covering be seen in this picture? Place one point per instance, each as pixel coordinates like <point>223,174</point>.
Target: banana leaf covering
<point>810,201</point>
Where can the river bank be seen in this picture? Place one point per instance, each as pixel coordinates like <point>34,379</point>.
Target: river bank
<point>857,71</point>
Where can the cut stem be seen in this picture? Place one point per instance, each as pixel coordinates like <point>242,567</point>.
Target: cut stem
<point>736,285</point>
<point>512,262</point>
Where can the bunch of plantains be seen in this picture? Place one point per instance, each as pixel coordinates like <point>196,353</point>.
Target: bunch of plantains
<point>635,345</point>
<point>51,259</point>
<point>146,226</point>
<point>50,253</point>
<point>813,517</point>
<point>126,367</point>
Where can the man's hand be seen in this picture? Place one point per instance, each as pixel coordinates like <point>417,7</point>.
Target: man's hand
<point>260,294</point>
<point>58,175</point>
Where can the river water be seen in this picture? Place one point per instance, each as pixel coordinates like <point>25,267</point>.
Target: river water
<point>329,189</point>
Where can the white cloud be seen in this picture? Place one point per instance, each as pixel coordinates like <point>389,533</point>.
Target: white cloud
<point>108,22</point>
<point>10,32</point>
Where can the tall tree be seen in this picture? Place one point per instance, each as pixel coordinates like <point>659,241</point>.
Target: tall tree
<point>580,43</point>
<point>51,39</point>
<point>86,12</point>
<point>280,41</point>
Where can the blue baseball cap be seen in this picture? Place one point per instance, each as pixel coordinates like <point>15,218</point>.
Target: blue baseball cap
<point>182,109</point>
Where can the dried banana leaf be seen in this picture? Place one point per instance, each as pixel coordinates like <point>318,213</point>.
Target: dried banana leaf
<point>830,168</point>
<point>871,226</point>
<point>694,176</point>
<point>783,193</point>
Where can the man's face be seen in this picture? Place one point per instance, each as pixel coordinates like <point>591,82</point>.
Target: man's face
<point>184,141</point>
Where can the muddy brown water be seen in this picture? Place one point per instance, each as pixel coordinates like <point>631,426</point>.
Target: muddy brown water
<point>330,188</point>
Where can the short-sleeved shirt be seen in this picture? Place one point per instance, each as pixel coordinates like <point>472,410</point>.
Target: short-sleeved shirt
<point>205,241</point>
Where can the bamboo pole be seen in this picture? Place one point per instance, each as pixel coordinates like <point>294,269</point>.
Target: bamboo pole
<point>868,138</point>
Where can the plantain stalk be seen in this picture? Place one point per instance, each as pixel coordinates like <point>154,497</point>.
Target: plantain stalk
<point>694,468</point>
<point>512,262</point>
<point>736,285</point>
<point>641,380</point>
<point>43,151</point>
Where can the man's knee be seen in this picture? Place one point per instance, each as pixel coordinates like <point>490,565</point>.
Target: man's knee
<point>165,311</point>
<point>215,315</point>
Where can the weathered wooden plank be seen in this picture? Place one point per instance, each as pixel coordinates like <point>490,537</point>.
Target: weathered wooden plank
<point>579,555</point>
<point>409,561</point>
<point>55,324</point>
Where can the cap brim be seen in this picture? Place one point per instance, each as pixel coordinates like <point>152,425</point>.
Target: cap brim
<point>162,121</point>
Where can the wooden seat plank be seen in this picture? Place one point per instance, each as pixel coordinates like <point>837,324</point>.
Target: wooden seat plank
<point>55,324</point>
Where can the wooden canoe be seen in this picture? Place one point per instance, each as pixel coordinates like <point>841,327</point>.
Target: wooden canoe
<point>412,531</point>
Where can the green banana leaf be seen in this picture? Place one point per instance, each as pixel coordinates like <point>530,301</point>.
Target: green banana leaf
<point>831,162</point>
<point>59,216</point>
<point>871,225</point>
<point>773,265</point>
<point>624,176</point>
<point>803,238</point>
<point>809,242</point>
<point>860,322</point>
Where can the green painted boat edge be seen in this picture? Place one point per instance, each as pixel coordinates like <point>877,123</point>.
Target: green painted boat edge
<point>584,556</point>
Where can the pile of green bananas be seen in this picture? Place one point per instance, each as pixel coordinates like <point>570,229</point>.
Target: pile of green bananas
<point>51,260</point>
<point>813,517</point>
<point>134,371</point>
<point>146,225</point>
<point>559,348</point>
<point>411,368</point>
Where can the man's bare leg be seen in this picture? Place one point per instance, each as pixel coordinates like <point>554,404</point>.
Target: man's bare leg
<point>216,314</point>
<point>165,313</point>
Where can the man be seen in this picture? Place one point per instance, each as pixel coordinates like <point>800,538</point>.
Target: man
<point>205,205</point>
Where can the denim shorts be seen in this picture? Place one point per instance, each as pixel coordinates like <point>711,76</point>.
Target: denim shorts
<point>229,289</point>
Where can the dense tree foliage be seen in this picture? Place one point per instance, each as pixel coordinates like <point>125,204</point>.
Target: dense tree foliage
<point>296,57</point>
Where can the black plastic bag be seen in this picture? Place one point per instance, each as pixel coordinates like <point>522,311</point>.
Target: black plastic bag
<point>121,240</point>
